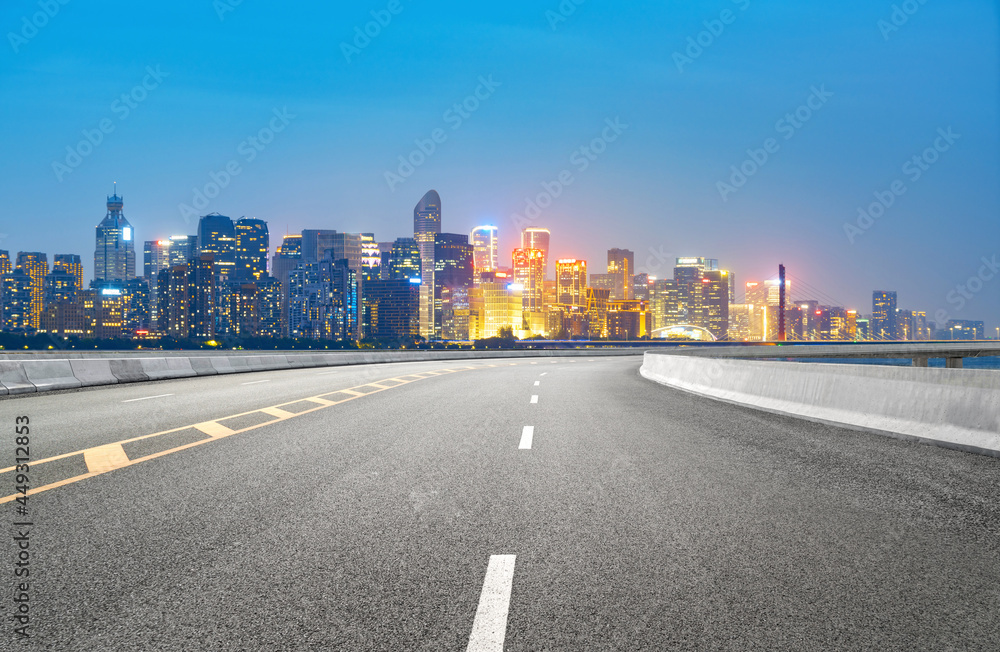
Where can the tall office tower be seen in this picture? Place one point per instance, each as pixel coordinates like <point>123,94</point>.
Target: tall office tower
<point>529,271</point>
<point>36,265</point>
<point>641,287</point>
<point>288,255</point>
<point>114,256</point>
<point>253,245</point>
<point>739,322</point>
<point>217,236</point>
<point>454,267</point>
<point>269,307</point>
<point>715,303</point>
<point>316,243</point>
<point>202,273</point>
<point>487,249</point>
<point>427,224</point>
<point>6,267</point>
<point>371,258</point>
<point>323,300</point>
<point>603,281</point>
<point>662,303</point>
<point>17,288</point>
<point>809,324</point>
<point>535,237</point>
<point>404,260</point>
<point>182,249</point>
<point>906,325</point>
<point>155,257</point>
<point>571,282</point>
<point>72,265</point>
<point>60,285</point>
<point>883,322</point>
<point>690,295</point>
<point>621,265</point>
<point>391,309</point>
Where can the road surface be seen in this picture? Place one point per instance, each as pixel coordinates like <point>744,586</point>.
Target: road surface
<point>486,505</point>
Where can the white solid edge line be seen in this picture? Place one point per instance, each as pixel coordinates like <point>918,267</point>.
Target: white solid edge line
<point>146,398</point>
<point>544,374</point>
<point>527,435</point>
<point>256,382</point>
<point>489,629</point>
<point>534,398</point>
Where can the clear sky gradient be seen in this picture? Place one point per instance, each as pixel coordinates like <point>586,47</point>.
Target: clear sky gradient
<point>553,77</point>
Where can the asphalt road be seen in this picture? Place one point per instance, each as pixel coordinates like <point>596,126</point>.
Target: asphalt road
<point>640,518</point>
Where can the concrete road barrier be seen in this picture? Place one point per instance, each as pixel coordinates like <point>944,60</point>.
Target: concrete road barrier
<point>43,372</point>
<point>93,372</point>
<point>51,374</point>
<point>956,408</point>
<point>164,368</point>
<point>13,378</point>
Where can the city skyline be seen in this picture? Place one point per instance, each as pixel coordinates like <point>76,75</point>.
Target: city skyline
<point>646,154</point>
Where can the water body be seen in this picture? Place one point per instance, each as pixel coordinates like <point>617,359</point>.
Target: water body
<point>992,362</point>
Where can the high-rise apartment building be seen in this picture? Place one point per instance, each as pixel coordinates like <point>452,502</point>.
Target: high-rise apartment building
<point>571,282</point>
<point>883,321</point>
<point>72,265</point>
<point>36,265</point>
<point>426,225</point>
<point>114,255</point>
<point>253,245</point>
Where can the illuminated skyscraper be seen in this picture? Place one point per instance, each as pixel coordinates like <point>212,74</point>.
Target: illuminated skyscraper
<point>16,289</point>
<point>535,237</point>
<point>453,272</point>
<point>529,271</point>
<point>571,282</point>
<point>253,245</point>
<point>6,267</point>
<point>60,285</point>
<point>217,236</point>
<point>427,224</point>
<point>715,303</point>
<point>621,266</point>
<point>883,322</point>
<point>371,258</point>
<point>391,309</point>
<point>72,265</point>
<point>404,260</point>
<point>36,265</point>
<point>487,250</point>
<point>114,257</point>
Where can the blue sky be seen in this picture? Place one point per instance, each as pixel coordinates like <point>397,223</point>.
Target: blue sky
<point>554,78</point>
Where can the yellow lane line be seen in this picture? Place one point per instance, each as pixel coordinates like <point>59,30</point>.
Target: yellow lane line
<point>110,457</point>
<point>213,429</point>
<point>105,458</point>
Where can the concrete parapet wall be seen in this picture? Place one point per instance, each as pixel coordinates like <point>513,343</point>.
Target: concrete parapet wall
<point>26,374</point>
<point>950,407</point>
